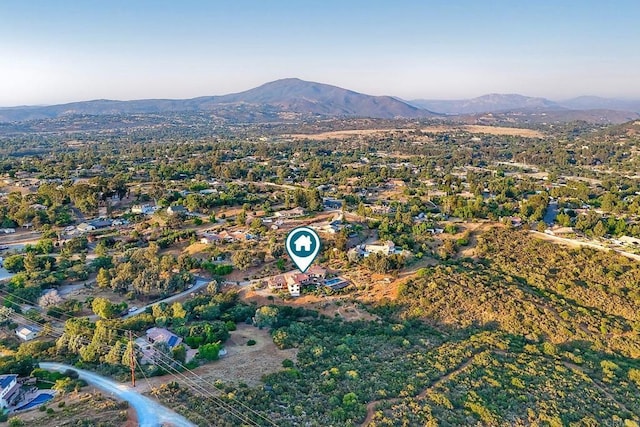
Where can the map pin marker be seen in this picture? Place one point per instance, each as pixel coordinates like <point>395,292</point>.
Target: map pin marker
<point>303,246</point>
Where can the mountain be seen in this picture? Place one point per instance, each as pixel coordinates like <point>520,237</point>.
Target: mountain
<point>271,99</point>
<point>498,103</point>
<point>595,102</point>
<point>494,102</point>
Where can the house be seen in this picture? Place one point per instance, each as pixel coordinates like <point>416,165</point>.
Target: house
<point>332,203</point>
<point>101,223</point>
<point>9,390</point>
<point>293,285</point>
<point>176,210</point>
<point>155,335</point>
<point>291,213</point>
<point>277,282</point>
<point>294,280</point>
<point>85,226</point>
<point>27,333</point>
<point>317,272</point>
<point>210,239</point>
<point>386,248</point>
<point>303,243</point>
<point>144,209</point>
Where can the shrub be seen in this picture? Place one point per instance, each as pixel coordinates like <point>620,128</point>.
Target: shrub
<point>287,363</point>
<point>251,342</point>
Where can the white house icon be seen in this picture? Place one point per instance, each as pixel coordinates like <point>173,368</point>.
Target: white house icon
<point>303,243</point>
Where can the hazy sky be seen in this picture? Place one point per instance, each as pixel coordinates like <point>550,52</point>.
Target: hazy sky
<point>61,51</point>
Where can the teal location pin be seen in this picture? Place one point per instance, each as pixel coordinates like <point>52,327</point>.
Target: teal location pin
<point>303,246</point>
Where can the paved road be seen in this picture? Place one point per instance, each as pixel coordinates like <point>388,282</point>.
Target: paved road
<point>200,283</point>
<point>150,413</point>
<point>573,242</point>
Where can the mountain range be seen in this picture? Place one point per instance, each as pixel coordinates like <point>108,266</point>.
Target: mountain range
<point>294,98</point>
<point>496,102</point>
<point>284,96</point>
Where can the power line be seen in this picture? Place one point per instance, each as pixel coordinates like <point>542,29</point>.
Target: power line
<point>203,380</point>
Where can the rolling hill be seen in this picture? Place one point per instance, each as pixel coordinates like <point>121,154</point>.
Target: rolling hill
<point>281,96</point>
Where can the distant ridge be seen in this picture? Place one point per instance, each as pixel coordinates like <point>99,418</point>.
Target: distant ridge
<point>294,99</point>
<point>281,96</point>
<point>497,103</point>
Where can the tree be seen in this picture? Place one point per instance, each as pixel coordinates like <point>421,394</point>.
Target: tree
<point>104,308</point>
<point>30,262</point>
<point>44,246</point>
<point>213,287</point>
<point>65,385</point>
<point>5,313</point>
<point>103,279</point>
<point>178,311</point>
<point>267,315</point>
<point>209,351</point>
<point>180,353</point>
<point>599,230</point>
<point>242,259</point>
<point>114,356</point>
<point>129,351</point>
<point>49,299</point>
<point>14,263</point>
<point>241,218</point>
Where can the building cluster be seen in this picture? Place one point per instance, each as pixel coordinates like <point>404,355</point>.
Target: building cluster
<point>19,394</point>
<point>293,281</point>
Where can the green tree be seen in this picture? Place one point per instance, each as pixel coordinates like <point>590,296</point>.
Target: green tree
<point>242,259</point>
<point>114,356</point>
<point>104,308</point>
<point>599,230</point>
<point>180,353</point>
<point>178,311</point>
<point>65,385</point>
<point>209,351</point>
<point>103,279</point>
<point>14,263</point>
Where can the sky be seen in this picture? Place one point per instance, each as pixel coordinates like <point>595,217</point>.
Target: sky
<point>63,51</point>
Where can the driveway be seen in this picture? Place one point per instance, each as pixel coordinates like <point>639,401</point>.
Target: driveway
<point>150,413</point>
<point>200,283</point>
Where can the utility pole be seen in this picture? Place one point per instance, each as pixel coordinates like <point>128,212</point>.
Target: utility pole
<point>132,359</point>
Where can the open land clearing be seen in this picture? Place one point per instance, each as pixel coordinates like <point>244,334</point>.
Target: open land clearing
<point>474,129</point>
<point>242,364</point>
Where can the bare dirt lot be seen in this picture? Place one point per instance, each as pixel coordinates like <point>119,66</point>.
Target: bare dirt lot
<point>242,363</point>
<point>491,130</point>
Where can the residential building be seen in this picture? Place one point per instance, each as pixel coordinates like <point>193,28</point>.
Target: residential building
<point>210,239</point>
<point>291,213</point>
<point>144,209</point>
<point>176,210</point>
<point>27,333</point>
<point>9,389</point>
<point>386,248</point>
<point>85,226</point>
<point>293,285</point>
<point>155,335</point>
